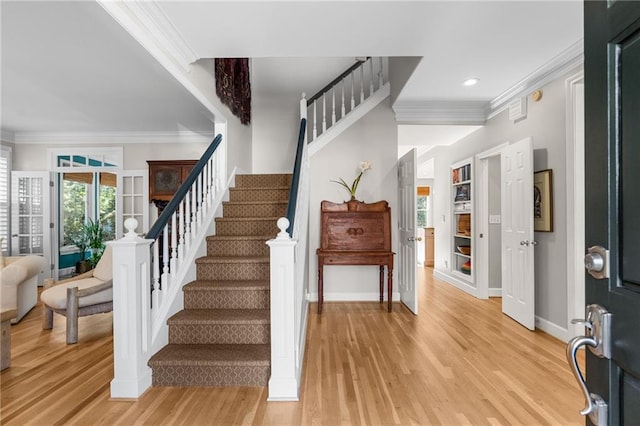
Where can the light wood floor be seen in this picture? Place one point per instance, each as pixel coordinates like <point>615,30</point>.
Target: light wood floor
<point>460,362</point>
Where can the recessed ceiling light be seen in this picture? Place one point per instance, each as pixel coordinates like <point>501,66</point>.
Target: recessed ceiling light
<point>471,81</point>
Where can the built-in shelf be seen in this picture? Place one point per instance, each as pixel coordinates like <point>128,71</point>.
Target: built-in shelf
<point>462,213</point>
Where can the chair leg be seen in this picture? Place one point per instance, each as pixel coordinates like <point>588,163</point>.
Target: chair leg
<point>47,318</point>
<point>72,315</point>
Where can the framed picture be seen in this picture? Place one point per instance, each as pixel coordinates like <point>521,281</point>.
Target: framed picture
<point>543,201</point>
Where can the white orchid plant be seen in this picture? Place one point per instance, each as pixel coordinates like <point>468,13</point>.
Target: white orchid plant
<point>364,166</point>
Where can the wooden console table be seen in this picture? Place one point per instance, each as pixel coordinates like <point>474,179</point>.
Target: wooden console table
<point>356,233</point>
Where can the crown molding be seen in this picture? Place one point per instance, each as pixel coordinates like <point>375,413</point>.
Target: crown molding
<point>478,112</point>
<point>568,59</point>
<point>147,23</point>
<point>100,138</point>
<point>441,112</point>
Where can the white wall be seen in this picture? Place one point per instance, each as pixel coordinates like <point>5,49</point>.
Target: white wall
<point>545,122</point>
<point>373,138</point>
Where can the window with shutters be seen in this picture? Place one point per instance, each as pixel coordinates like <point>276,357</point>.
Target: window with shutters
<point>5,201</point>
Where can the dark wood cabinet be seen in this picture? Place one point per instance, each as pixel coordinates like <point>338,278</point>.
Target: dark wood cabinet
<point>165,177</point>
<point>356,233</point>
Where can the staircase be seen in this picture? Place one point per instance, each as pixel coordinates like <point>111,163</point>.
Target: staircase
<point>222,336</point>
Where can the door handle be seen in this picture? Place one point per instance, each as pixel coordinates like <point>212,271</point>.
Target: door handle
<point>414,239</point>
<point>596,407</point>
<point>524,242</point>
<point>598,339</point>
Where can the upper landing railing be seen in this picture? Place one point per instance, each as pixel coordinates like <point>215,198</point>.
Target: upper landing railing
<point>342,95</point>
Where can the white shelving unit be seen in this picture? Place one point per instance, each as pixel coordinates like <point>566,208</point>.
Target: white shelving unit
<point>462,214</point>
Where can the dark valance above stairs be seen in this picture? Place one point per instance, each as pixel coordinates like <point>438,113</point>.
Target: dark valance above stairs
<point>233,86</point>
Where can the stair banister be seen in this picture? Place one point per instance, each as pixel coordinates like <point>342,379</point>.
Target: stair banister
<point>147,283</point>
<point>293,192</point>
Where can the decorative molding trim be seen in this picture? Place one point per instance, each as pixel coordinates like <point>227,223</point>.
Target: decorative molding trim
<point>151,19</point>
<point>7,136</point>
<point>568,59</point>
<point>441,112</point>
<point>132,19</point>
<point>99,138</point>
<point>478,112</point>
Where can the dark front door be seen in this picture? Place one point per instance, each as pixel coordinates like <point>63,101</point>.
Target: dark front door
<point>612,166</point>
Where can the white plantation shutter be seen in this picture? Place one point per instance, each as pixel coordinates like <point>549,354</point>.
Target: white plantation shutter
<point>5,184</point>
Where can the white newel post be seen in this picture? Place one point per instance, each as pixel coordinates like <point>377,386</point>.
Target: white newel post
<point>131,314</point>
<point>283,384</point>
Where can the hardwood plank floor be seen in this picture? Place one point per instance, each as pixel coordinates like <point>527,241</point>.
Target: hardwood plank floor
<point>460,362</point>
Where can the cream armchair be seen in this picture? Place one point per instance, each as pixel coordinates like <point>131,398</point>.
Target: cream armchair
<point>85,294</point>
<point>19,276</point>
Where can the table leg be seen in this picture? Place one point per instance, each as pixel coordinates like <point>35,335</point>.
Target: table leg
<point>390,285</point>
<point>320,289</point>
<point>381,283</point>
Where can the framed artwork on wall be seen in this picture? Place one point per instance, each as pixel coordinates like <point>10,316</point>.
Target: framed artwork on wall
<point>543,201</point>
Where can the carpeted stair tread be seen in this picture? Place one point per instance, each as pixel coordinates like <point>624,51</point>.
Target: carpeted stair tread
<point>247,219</point>
<point>232,259</point>
<point>250,203</point>
<point>212,355</point>
<point>208,285</point>
<point>240,237</point>
<point>220,316</point>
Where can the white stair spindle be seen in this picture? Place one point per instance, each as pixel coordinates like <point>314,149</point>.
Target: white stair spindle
<point>315,119</point>
<point>181,232</point>
<point>174,243</point>
<point>164,278</point>
<point>372,76</point>
<point>194,210</point>
<point>187,222</point>
<point>198,186</point>
<point>380,74</point>
<point>353,99</point>
<point>361,83</point>
<point>156,276</point>
<point>324,112</point>
<point>333,107</point>
<point>342,109</point>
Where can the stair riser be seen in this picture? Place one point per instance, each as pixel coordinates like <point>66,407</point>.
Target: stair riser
<point>227,299</point>
<point>202,334</point>
<point>227,375</point>
<point>255,210</point>
<point>262,194</point>
<point>232,271</point>
<point>250,248</point>
<point>262,181</point>
<point>246,228</point>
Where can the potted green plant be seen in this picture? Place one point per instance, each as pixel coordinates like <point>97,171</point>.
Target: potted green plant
<point>89,238</point>
<point>95,235</point>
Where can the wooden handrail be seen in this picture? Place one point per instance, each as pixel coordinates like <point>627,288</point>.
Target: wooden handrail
<point>336,81</point>
<point>164,218</point>
<point>293,192</point>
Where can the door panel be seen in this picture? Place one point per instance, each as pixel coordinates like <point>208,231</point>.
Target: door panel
<point>518,284</point>
<point>407,219</point>
<point>612,213</point>
<point>30,215</point>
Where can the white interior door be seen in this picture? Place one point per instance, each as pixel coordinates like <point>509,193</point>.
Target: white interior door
<point>407,217</point>
<point>518,291</point>
<point>31,215</point>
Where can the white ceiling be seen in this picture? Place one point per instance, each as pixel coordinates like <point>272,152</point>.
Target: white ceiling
<point>69,67</point>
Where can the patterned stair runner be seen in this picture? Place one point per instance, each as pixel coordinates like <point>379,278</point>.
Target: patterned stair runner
<point>221,338</point>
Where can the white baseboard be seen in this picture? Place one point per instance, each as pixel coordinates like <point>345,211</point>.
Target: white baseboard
<point>552,329</point>
<point>456,282</point>
<point>495,292</point>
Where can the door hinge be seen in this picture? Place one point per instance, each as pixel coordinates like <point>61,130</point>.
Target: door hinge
<point>52,266</point>
<point>51,225</point>
<point>51,183</point>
